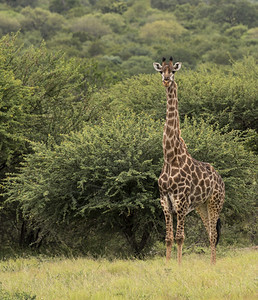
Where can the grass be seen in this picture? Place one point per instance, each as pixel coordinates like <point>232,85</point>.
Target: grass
<point>233,277</point>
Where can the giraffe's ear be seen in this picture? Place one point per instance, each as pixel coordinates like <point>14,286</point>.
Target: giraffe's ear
<point>157,66</point>
<point>177,66</point>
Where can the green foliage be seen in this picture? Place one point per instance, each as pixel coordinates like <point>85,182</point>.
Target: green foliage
<point>137,64</point>
<point>143,93</point>
<point>56,89</point>
<point>137,11</point>
<point>92,25</point>
<point>236,12</point>
<point>54,106</point>
<point>8,22</point>
<point>106,177</point>
<point>118,7</point>
<point>115,21</point>
<point>106,174</point>
<point>236,31</point>
<point>227,96</point>
<point>61,6</point>
<point>251,35</point>
<point>42,95</point>
<point>163,4</point>
<point>14,98</point>
<point>159,31</point>
<point>195,31</point>
<point>22,3</point>
<point>40,19</point>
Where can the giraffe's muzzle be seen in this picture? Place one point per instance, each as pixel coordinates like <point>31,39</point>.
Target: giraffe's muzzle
<point>166,83</point>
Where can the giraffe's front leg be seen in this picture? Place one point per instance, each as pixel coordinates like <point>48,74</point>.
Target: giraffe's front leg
<point>181,213</point>
<point>169,225</point>
<point>169,235</point>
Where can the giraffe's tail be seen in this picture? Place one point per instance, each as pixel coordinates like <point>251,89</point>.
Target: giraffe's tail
<point>218,228</point>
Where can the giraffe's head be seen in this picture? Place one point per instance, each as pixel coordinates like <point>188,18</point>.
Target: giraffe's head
<point>167,70</point>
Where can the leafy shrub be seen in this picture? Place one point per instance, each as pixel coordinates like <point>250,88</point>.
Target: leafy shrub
<point>251,35</point>
<point>8,23</point>
<point>142,93</point>
<point>60,6</point>
<point>115,21</point>
<point>138,10</point>
<point>43,20</point>
<point>106,175</point>
<point>118,7</point>
<point>92,25</point>
<point>228,96</point>
<point>161,30</point>
<point>236,31</point>
<point>137,65</point>
<point>42,96</point>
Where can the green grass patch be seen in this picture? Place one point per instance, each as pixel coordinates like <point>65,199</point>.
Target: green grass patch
<point>233,277</point>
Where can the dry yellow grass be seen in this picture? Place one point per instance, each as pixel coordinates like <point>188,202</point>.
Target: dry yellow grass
<point>233,277</point>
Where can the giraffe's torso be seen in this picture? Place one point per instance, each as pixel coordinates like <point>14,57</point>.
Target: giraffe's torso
<point>189,178</point>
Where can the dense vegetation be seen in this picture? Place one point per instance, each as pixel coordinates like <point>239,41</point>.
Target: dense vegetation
<point>81,118</point>
<point>129,34</point>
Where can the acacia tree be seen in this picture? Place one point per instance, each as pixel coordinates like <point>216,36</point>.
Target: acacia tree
<point>43,95</point>
<point>105,175</point>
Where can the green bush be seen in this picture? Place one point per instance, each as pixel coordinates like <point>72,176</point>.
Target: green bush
<point>60,6</point>
<point>115,21</point>
<point>142,93</point>
<point>105,175</point>
<point>137,65</point>
<point>160,30</point>
<point>91,24</point>
<point>9,23</point>
<point>42,96</point>
<point>43,20</point>
<point>228,96</point>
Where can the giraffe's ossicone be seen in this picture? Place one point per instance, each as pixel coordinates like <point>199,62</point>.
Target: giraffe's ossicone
<point>185,183</point>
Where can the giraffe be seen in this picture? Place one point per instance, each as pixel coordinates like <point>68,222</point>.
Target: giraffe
<point>185,183</point>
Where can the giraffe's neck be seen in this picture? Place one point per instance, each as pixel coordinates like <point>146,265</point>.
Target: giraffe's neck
<point>172,141</point>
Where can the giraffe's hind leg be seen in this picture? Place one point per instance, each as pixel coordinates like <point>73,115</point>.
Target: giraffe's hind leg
<point>214,208</point>
<point>202,210</point>
<point>164,200</point>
